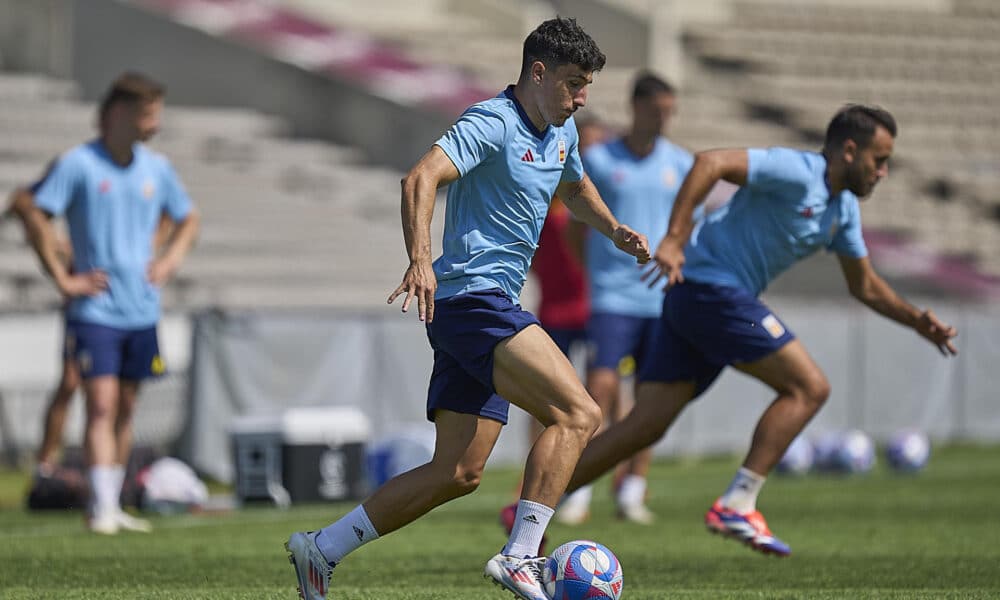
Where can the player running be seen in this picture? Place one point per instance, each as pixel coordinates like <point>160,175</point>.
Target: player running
<point>505,158</point>
<point>790,204</point>
<point>638,175</point>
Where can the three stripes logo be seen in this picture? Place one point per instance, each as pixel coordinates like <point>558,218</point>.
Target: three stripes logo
<point>316,580</point>
<point>359,532</point>
<point>528,156</point>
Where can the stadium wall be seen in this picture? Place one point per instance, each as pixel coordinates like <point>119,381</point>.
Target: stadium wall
<point>884,378</point>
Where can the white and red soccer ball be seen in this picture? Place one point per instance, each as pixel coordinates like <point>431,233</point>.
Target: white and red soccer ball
<point>583,570</point>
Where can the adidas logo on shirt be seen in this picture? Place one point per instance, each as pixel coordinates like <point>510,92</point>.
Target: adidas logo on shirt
<point>528,156</point>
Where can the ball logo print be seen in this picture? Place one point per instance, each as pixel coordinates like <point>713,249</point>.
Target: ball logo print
<point>581,570</point>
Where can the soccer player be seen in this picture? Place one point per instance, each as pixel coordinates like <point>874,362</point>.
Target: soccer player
<point>113,190</point>
<point>638,176</point>
<point>69,379</point>
<point>790,204</point>
<point>504,158</point>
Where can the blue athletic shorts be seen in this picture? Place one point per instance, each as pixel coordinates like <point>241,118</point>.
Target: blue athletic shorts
<point>130,354</point>
<point>706,327</point>
<point>465,330</point>
<point>566,338</point>
<point>613,337</point>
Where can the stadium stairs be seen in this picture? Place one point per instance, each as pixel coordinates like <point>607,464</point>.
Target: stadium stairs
<point>286,223</point>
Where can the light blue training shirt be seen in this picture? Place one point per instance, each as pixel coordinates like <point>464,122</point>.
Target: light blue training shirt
<point>640,193</point>
<point>509,172</point>
<point>783,214</point>
<point>112,213</point>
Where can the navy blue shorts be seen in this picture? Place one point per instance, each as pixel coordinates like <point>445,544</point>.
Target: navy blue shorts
<point>130,354</point>
<point>705,327</point>
<point>566,338</point>
<point>614,337</point>
<point>465,330</point>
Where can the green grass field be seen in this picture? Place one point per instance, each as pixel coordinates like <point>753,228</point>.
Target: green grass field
<point>934,535</point>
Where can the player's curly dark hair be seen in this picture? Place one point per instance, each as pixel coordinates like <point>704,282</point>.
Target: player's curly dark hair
<point>561,41</point>
<point>858,122</point>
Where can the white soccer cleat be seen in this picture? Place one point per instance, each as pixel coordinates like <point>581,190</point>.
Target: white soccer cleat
<point>103,524</point>
<point>636,513</point>
<point>311,568</point>
<point>521,576</point>
<point>572,513</point>
<point>129,523</point>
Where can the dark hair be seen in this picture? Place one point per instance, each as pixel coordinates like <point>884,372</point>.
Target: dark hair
<point>858,122</point>
<point>131,88</point>
<point>561,41</point>
<point>646,85</point>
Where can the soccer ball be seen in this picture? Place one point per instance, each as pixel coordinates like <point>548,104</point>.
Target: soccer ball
<point>825,451</point>
<point>583,570</point>
<point>856,452</point>
<point>908,451</point>
<point>798,459</point>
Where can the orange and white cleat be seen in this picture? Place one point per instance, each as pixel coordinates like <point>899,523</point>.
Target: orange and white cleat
<point>749,528</point>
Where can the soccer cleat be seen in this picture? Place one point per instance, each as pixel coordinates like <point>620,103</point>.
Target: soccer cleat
<point>104,524</point>
<point>572,513</point>
<point>507,516</point>
<point>127,522</point>
<point>311,568</point>
<point>749,528</point>
<point>521,576</point>
<point>637,513</point>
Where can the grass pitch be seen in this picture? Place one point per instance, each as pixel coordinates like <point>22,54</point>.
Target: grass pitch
<point>933,535</point>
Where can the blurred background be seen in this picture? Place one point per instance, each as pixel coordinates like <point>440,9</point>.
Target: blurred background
<point>291,122</point>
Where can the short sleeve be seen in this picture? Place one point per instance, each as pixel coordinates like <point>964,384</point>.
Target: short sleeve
<point>773,167</point>
<point>176,201</point>
<point>55,190</point>
<point>476,135</point>
<point>849,240</point>
<point>573,169</point>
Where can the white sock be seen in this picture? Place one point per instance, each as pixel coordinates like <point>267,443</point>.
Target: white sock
<point>103,492</point>
<point>352,531</point>
<point>529,527</point>
<point>632,491</point>
<point>741,495</point>
<point>119,473</point>
<point>578,500</point>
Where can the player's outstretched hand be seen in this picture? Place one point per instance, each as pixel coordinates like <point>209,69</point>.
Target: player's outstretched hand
<point>667,262</point>
<point>940,334</point>
<point>88,283</point>
<point>632,242</point>
<point>418,282</point>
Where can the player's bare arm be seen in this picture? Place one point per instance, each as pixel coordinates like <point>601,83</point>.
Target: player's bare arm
<point>709,167</point>
<point>182,238</point>
<point>42,237</point>
<point>873,291</point>
<point>583,200</point>
<point>420,187</point>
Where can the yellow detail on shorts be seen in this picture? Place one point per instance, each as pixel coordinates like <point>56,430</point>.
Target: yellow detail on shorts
<point>157,367</point>
<point>626,366</point>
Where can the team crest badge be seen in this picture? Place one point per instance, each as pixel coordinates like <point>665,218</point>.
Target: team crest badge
<point>157,367</point>
<point>669,177</point>
<point>562,151</point>
<point>773,326</point>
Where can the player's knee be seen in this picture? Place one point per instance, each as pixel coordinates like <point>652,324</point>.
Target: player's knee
<point>816,390</point>
<point>463,480</point>
<point>586,418</point>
